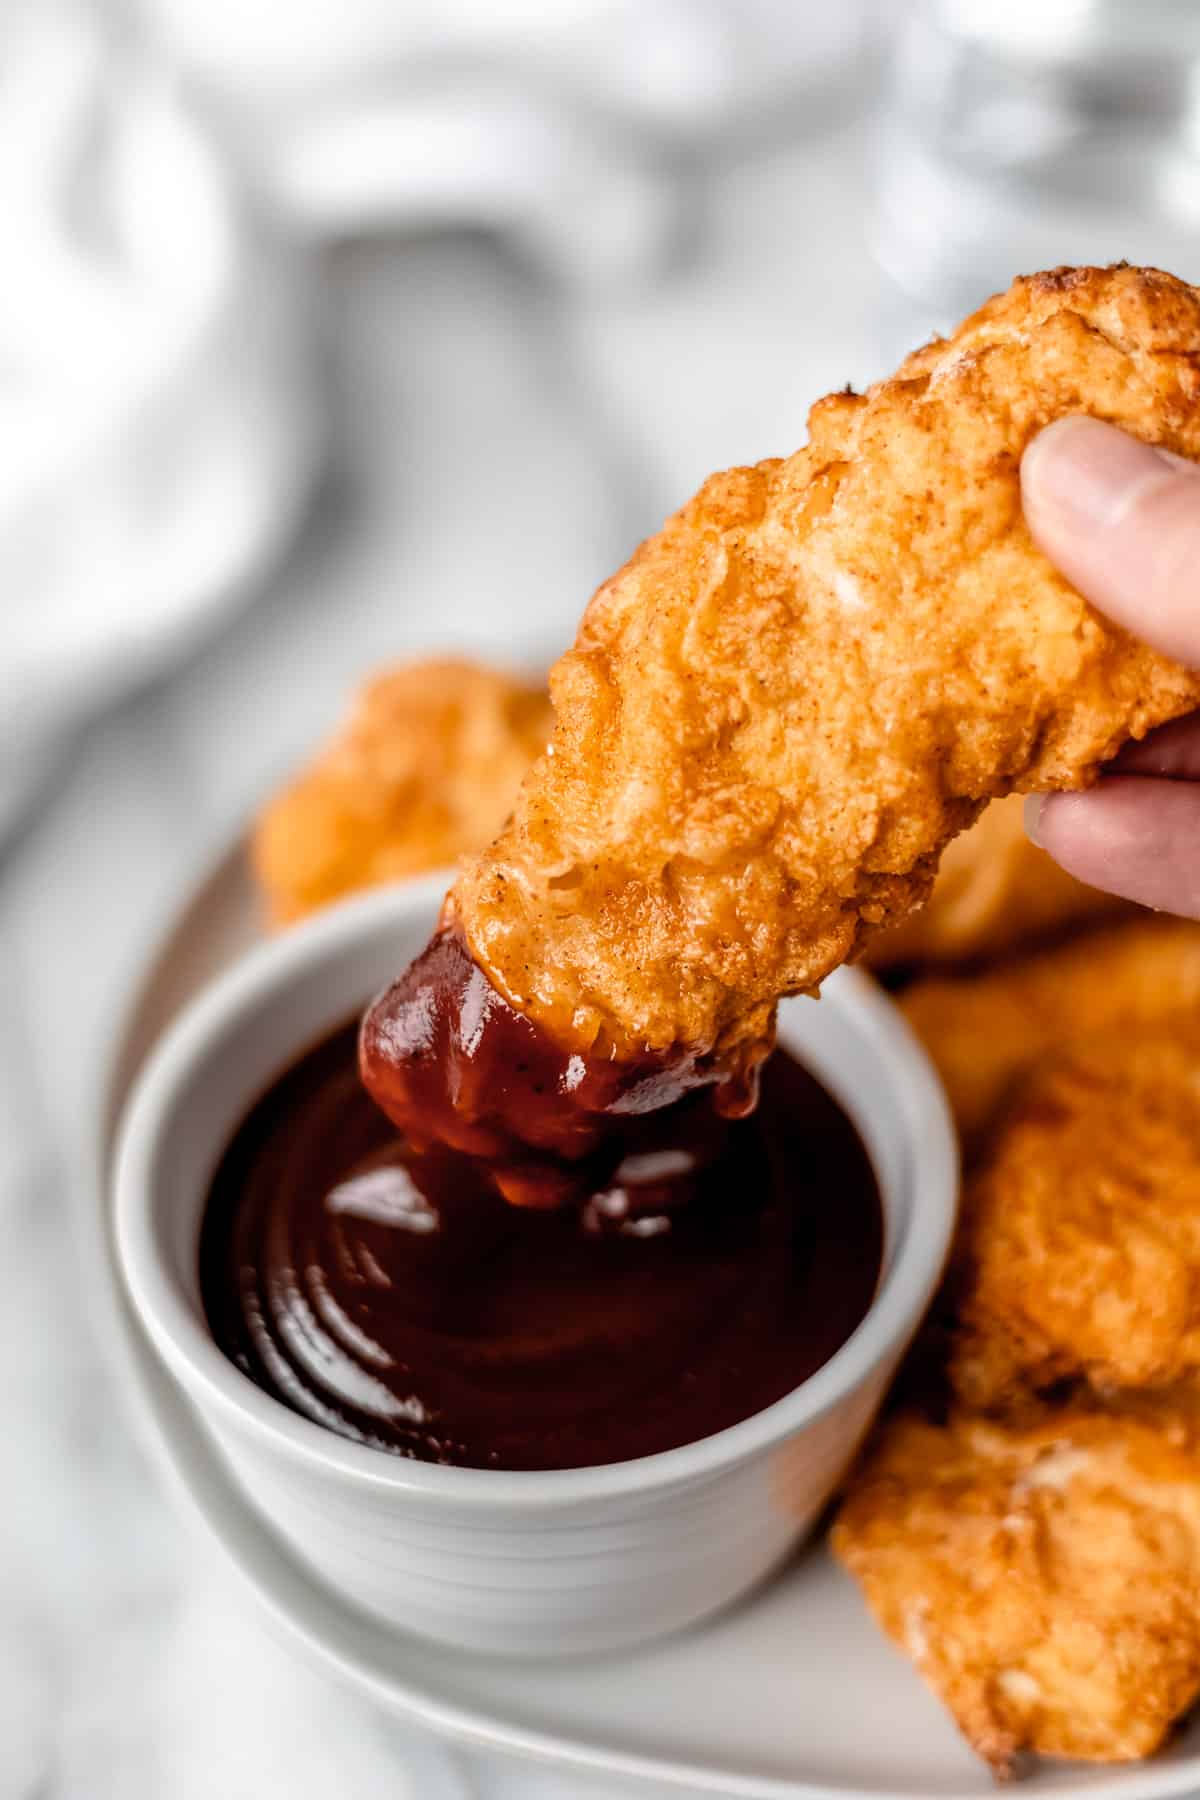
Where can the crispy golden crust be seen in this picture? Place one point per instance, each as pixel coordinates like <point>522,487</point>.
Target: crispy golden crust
<point>1079,1248</point>
<point>995,893</point>
<point>779,713</point>
<point>985,1031</point>
<point>423,772</point>
<point>1044,1576</point>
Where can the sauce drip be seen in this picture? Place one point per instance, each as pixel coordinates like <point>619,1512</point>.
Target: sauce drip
<point>391,1294</point>
<point>451,1062</point>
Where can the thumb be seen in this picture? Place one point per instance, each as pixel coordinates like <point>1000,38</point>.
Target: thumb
<point>1121,519</point>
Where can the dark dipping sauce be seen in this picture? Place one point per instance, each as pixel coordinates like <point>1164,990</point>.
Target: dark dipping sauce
<point>393,1296</point>
<point>451,1062</point>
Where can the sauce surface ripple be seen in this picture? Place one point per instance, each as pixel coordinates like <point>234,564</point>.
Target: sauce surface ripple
<point>394,1297</point>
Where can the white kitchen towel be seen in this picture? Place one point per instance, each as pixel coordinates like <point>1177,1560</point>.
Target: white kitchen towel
<point>158,420</point>
<point>561,122</point>
<point>157,425</point>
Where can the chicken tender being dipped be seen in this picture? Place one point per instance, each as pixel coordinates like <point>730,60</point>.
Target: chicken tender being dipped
<point>1043,1574</point>
<point>1079,1246</point>
<point>773,721</point>
<point>423,771</point>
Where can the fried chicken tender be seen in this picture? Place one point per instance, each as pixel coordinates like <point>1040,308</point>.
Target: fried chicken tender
<point>983,1032</point>
<point>1079,1247</point>
<point>995,893</point>
<point>779,713</point>
<point>423,771</point>
<point>1043,1575</point>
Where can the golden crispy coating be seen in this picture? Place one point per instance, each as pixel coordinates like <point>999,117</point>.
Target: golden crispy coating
<point>784,707</point>
<point>1044,1576</point>
<point>995,893</point>
<point>985,1031</point>
<point>423,771</point>
<point>1079,1248</point>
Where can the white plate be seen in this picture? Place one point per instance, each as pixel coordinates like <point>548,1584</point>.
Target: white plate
<point>792,1696</point>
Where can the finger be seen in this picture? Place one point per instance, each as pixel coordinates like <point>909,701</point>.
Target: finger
<point>1131,835</point>
<point>1172,752</point>
<point>1121,519</point>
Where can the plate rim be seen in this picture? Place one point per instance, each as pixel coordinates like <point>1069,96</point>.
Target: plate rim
<point>175,1440</point>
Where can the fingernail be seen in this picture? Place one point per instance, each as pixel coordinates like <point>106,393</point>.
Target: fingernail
<point>1033,817</point>
<point>1089,474</point>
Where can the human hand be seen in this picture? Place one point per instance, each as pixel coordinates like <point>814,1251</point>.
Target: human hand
<point>1122,522</point>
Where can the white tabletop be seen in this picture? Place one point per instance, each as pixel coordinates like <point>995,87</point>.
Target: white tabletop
<point>497,450</point>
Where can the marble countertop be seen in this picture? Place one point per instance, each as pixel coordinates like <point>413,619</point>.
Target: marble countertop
<point>497,449</point>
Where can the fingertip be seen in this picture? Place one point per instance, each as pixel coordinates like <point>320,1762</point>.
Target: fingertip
<point>1061,825</point>
<point>1121,520</point>
<point>1056,825</point>
<point>1131,835</point>
<point>1033,816</point>
<point>1053,445</point>
<point>1080,474</point>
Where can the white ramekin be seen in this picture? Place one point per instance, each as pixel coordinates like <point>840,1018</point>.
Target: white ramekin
<point>520,1563</point>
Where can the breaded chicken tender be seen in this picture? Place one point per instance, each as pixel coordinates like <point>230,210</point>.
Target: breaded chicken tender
<point>423,772</point>
<point>1044,1576</point>
<point>995,893</point>
<point>1079,1247</point>
<point>985,1031</point>
<point>779,713</point>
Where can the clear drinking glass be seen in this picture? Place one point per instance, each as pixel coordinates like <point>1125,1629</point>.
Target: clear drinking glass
<point>1020,134</point>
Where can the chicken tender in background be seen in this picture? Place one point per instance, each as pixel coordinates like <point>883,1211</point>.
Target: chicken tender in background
<point>1079,1249</point>
<point>983,1032</point>
<point>995,893</point>
<point>779,713</point>
<point>1043,1575</point>
<point>424,771</point>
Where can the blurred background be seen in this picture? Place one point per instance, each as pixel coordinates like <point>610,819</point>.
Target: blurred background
<point>340,331</point>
